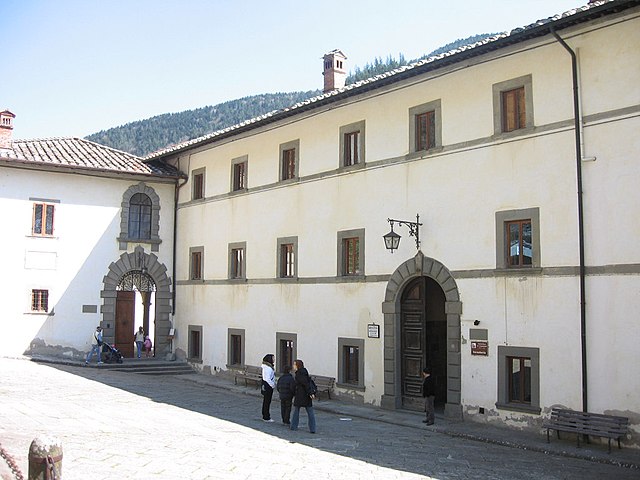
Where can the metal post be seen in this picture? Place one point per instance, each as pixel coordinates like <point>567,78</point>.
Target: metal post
<point>45,459</point>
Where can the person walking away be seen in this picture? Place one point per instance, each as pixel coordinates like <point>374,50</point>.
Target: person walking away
<point>268,384</point>
<point>147,346</point>
<point>139,339</point>
<point>302,397</point>
<point>286,388</point>
<point>96,346</point>
<point>429,394</point>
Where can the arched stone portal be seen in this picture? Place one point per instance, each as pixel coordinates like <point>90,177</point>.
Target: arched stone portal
<point>138,260</point>
<point>391,307</point>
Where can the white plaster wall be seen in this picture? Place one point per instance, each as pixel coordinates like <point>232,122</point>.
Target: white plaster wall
<point>86,225</point>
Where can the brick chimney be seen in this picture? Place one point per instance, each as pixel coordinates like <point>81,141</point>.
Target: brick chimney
<point>6,128</point>
<point>334,71</point>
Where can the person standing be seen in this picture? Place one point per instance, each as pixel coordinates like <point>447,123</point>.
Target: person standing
<point>139,339</point>
<point>96,346</point>
<point>268,384</point>
<point>429,394</point>
<point>302,397</point>
<point>147,346</point>
<point>286,388</point>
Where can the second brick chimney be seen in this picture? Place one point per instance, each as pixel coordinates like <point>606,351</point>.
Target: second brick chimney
<point>6,129</point>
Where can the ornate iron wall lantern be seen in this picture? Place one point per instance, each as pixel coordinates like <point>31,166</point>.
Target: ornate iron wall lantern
<point>392,239</point>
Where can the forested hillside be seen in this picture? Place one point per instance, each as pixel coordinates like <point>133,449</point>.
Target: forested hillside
<point>146,136</point>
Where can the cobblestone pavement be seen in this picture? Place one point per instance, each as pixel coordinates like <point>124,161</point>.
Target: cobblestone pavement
<point>130,426</point>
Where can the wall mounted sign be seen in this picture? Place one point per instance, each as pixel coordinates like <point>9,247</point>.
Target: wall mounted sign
<point>373,330</point>
<point>480,348</point>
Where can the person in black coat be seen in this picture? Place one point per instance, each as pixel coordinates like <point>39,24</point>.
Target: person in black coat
<point>286,387</point>
<point>302,397</point>
<point>429,394</point>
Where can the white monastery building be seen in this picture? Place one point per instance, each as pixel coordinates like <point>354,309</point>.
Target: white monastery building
<point>509,168</point>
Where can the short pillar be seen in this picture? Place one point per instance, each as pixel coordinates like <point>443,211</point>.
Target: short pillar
<point>45,459</point>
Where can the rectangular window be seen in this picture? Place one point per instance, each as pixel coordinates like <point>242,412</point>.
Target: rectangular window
<point>519,376</point>
<point>237,267</point>
<point>239,176</point>
<point>42,224</point>
<point>288,164</point>
<point>351,361</point>
<point>351,148</point>
<point>519,379</point>
<point>351,256</point>
<point>519,241</point>
<point>235,355</point>
<point>198,186</point>
<point>514,115</point>
<point>195,342</point>
<point>196,265</point>
<point>39,300</point>
<point>352,140</point>
<point>425,130</point>
<point>285,350</point>
<point>287,259</point>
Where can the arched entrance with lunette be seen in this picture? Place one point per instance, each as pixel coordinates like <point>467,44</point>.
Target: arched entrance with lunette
<point>138,260</point>
<point>421,266</point>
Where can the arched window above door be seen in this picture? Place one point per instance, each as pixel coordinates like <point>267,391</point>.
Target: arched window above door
<point>140,217</point>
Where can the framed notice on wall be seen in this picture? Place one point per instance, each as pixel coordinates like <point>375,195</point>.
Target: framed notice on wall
<point>480,348</point>
<point>373,330</point>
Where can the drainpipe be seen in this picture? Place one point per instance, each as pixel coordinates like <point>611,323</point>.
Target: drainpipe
<point>175,236</point>
<point>577,128</point>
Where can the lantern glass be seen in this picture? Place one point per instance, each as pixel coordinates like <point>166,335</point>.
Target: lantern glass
<point>391,240</point>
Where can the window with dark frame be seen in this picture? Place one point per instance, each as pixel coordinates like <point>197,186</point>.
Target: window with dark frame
<point>235,344</point>
<point>198,186</point>
<point>425,130</point>
<point>196,265</point>
<point>42,223</point>
<point>351,148</point>
<point>287,260</point>
<point>513,110</point>
<point>237,263</point>
<point>140,217</point>
<point>519,242</point>
<point>195,344</point>
<point>519,377</point>
<point>351,364</point>
<point>285,354</point>
<point>288,164</point>
<point>39,300</point>
<point>351,256</point>
<point>239,176</point>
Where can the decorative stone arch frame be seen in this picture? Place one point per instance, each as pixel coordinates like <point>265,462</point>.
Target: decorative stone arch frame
<point>124,239</point>
<point>127,262</point>
<point>413,268</point>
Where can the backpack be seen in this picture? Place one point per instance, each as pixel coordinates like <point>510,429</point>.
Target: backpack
<point>313,389</point>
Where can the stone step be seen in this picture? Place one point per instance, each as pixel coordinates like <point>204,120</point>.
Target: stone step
<point>150,367</point>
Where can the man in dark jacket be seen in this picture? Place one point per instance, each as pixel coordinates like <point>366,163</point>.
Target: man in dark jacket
<point>286,388</point>
<point>429,394</point>
<point>303,397</point>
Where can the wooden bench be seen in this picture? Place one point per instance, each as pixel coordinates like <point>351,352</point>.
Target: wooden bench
<point>585,423</point>
<point>249,373</point>
<point>324,384</point>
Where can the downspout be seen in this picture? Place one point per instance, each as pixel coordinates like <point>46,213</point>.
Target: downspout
<point>577,128</point>
<point>175,237</point>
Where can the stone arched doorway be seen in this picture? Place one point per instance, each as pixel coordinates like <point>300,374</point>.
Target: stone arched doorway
<point>421,266</point>
<point>147,266</point>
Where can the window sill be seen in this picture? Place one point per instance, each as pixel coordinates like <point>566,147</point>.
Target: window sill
<point>49,237</point>
<point>351,278</point>
<point>351,386</point>
<point>40,314</point>
<point>287,279</point>
<point>513,133</point>
<point>237,280</point>
<point>518,407</point>
<point>238,191</point>
<point>356,166</point>
<point>519,271</point>
<point>151,241</point>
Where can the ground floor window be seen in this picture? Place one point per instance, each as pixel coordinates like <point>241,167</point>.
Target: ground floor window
<point>351,362</point>
<point>285,350</point>
<point>519,379</point>
<point>195,342</point>
<point>235,347</point>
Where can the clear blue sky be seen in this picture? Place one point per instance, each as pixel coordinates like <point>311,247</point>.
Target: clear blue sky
<point>74,67</point>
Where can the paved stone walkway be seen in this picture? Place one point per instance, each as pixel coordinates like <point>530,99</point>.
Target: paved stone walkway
<point>129,426</point>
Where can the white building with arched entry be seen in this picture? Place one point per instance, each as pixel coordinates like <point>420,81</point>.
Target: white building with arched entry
<point>88,238</point>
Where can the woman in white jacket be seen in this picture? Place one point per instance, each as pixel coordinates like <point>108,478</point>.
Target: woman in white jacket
<point>268,384</point>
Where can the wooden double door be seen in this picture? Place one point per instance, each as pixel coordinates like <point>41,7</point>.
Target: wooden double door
<point>423,333</point>
<point>125,322</point>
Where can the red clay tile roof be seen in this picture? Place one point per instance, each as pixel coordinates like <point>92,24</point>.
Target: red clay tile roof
<point>82,154</point>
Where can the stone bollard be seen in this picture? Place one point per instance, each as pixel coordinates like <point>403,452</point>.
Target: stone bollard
<point>45,459</point>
